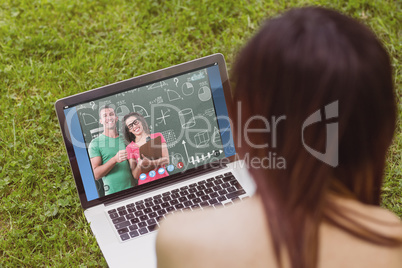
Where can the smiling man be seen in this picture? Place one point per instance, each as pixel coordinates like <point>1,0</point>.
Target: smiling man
<point>108,155</point>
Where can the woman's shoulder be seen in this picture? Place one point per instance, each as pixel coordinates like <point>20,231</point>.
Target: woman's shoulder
<point>370,216</point>
<point>340,246</point>
<point>156,134</point>
<point>132,146</point>
<point>374,219</point>
<point>210,237</point>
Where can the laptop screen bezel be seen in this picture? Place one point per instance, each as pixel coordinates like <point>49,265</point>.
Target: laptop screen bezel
<point>126,85</point>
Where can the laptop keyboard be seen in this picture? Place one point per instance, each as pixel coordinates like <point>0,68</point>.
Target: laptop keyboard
<point>142,217</point>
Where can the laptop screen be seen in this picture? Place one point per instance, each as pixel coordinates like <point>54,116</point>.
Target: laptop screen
<point>185,114</point>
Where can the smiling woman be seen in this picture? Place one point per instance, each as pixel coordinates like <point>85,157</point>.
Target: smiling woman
<point>136,133</point>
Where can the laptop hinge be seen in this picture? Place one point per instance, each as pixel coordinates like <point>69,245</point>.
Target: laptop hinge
<point>198,171</point>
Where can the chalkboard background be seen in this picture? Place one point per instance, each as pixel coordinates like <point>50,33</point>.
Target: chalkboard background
<point>181,108</point>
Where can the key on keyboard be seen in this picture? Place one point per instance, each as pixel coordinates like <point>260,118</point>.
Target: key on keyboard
<point>143,216</point>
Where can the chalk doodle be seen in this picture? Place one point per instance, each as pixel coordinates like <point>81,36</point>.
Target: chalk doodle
<point>157,85</point>
<point>164,114</point>
<point>198,158</point>
<point>121,102</point>
<point>201,139</point>
<point>88,119</point>
<point>198,76</point>
<point>205,83</point>
<point>176,80</point>
<point>95,132</point>
<point>216,136</point>
<point>157,100</point>
<point>141,110</point>
<point>173,95</point>
<point>209,112</point>
<point>121,111</point>
<point>85,106</point>
<point>134,90</point>
<point>93,105</point>
<point>105,102</point>
<point>170,138</point>
<point>187,88</point>
<point>204,93</point>
<point>186,117</point>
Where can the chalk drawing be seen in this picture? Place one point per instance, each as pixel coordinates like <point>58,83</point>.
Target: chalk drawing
<point>216,136</point>
<point>141,110</point>
<point>164,114</point>
<point>204,93</point>
<point>157,100</point>
<point>176,80</point>
<point>210,112</point>
<point>186,117</point>
<point>157,85</point>
<point>95,132</point>
<point>88,119</point>
<point>201,139</point>
<point>173,95</point>
<point>170,138</point>
<point>121,111</point>
<point>187,88</point>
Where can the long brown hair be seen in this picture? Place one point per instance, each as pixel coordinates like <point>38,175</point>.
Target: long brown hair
<point>296,65</point>
<point>128,136</point>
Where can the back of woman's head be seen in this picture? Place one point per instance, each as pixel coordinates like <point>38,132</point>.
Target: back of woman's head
<point>309,60</point>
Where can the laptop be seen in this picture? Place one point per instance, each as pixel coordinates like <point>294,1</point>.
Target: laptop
<point>187,107</point>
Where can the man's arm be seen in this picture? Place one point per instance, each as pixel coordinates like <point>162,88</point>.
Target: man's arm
<point>100,170</point>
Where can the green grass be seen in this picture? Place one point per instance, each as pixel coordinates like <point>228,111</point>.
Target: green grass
<point>52,49</point>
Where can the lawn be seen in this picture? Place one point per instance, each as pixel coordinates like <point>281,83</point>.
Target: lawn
<point>52,49</point>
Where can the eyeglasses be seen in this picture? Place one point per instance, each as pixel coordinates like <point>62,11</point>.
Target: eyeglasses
<point>132,124</point>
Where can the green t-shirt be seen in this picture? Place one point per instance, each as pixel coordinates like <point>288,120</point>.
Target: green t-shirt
<point>119,178</point>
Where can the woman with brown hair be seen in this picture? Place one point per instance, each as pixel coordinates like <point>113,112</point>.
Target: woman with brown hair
<point>332,80</point>
<point>136,133</point>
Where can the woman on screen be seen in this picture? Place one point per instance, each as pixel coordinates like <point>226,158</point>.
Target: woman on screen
<point>136,132</point>
<point>332,80</point>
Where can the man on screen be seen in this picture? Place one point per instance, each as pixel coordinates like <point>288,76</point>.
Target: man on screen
<point>108,155</point>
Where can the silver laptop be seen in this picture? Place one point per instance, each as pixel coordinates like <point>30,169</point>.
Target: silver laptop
<point>187,107</point>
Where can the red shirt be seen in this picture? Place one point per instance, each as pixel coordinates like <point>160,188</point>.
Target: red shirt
<point>133,151</point>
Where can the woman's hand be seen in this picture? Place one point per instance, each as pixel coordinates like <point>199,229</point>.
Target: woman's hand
<point>145,162</point>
